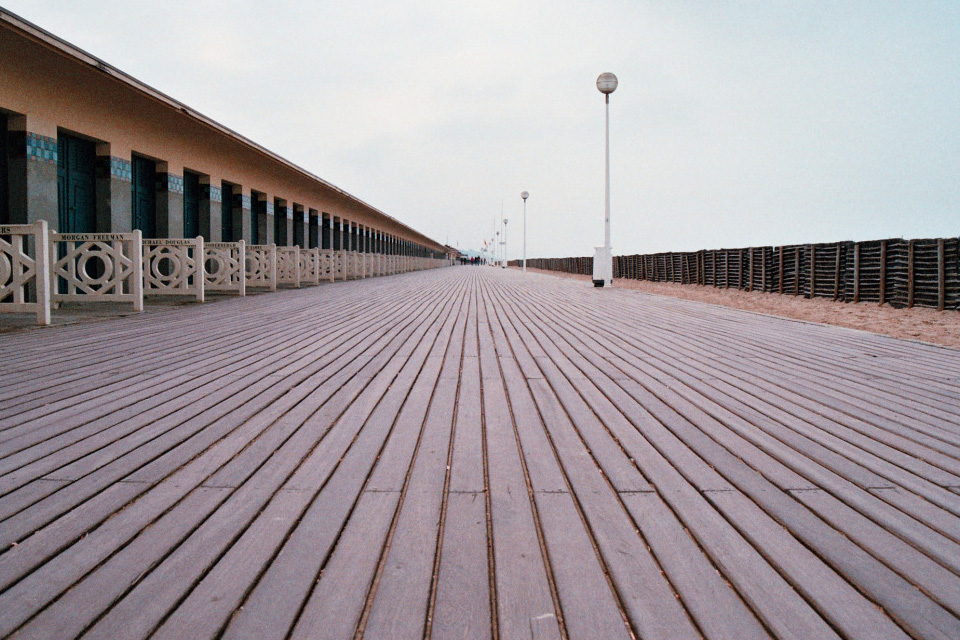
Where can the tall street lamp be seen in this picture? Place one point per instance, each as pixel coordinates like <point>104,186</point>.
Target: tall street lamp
<point>505,221</point>
<point>603,257</point>
<point>524,195</point>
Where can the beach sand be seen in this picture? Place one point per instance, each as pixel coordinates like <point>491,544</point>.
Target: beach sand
<point>926,325</point>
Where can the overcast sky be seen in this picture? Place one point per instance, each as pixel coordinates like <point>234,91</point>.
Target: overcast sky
<point>735,123</point>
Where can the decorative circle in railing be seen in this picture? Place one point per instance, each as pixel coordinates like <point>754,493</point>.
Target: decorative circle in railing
<point>166,266</point>
<point>257,264</point>
<point>94,261</point>
<point>213,265</point>
<point>6,270</point>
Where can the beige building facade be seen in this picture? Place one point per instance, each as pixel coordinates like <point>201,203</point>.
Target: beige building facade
<point>90,149</point>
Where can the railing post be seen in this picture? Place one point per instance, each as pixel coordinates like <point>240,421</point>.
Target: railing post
<point>41,247</point>
<point>136,287</point>
<point>273,267</point>
<point>296,265</point>
<point>242,251</point>
<point>198,274</point>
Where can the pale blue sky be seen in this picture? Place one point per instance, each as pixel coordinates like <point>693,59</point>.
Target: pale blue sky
<point>735,123</point>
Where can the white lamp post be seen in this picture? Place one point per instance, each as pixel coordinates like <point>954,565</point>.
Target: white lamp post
<point>603,257</point>
<point>524,195</point>
<point>505,221</point>
<point>496,250</point>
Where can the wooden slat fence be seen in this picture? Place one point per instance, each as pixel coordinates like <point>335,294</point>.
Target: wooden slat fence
<point>898,272</point>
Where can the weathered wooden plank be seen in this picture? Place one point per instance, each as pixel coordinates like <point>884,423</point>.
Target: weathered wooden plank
<point>151,466</point>
<point>463,586</point>
<point>931,577</point>
<point>139,615</point>
<point>463,594</point>
<point>140,413</point>
<point>309,546</point>
<point>843,617</point>
<point>715,605</point>
<point>27,597</point>
<point>402,597</point>
<point>523,593</point>
<point>587,603</point>
<point>776,601</point>
<point>468,459</point>
<point>334,607</point>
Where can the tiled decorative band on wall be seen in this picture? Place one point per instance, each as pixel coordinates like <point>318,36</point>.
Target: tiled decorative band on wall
<point>245,201</point>
<point>174,183</point>
<point>41,148</point>
<point>269,208</point>
<point>216,194</point>
<point>121,169</point>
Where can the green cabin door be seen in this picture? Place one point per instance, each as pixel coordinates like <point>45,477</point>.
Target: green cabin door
<point>279,217</point>
<point>313,231</point>
<point>257,207</point>
<point>76,185</point>
<point>191,205</point>
<point>226,213</point>
<point>144,205</point>
<point>298,238</point>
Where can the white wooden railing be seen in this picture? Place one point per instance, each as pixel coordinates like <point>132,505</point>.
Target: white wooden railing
<point>224,266</point>
<point>288,265</point>
<point>340,258</point>
<point>328,269</point>
<point>25,270</point>
<point>172,266</point>
<point>261,266</point>
<point>97,267</point>
<point>38,273</point>
<point>310,266</point>
<point>357,265</point>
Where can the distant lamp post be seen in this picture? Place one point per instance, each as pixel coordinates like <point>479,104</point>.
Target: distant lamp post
<point>505,221</point>
<point>603,256</point>
<point>524,195</point>
<point>497,249</point>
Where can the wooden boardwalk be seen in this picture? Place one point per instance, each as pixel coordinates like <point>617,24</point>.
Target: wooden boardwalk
<point>474,453</point>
